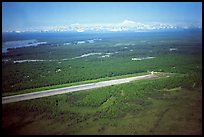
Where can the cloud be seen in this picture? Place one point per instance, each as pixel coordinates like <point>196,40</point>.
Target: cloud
<point>126,25</point>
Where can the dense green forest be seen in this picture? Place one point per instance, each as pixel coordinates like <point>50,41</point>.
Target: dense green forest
<point>63,64</point>
<point>170,104</point>
<point>167,105</point>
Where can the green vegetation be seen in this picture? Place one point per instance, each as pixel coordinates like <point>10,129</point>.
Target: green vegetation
<point>71,84</point>
<point>21,76</point>
<point>171,104</point>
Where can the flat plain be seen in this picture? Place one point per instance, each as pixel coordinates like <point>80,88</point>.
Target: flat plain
<point>170,104</point>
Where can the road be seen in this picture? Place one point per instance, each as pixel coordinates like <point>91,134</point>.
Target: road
<point>46,93</point>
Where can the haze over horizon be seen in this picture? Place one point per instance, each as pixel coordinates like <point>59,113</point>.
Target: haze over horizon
<point>100,16</point>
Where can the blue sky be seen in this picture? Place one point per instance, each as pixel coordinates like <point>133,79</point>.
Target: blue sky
<point>22,15</point>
